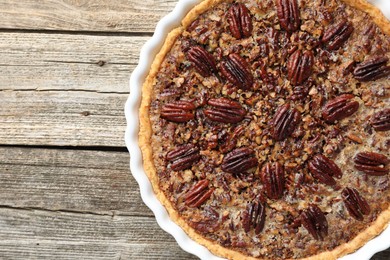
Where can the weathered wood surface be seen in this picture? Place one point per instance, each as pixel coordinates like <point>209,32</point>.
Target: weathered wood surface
<point>66,191</point>
<point>82,15</point>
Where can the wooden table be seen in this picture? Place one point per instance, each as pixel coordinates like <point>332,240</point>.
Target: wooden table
<point>66,191</point>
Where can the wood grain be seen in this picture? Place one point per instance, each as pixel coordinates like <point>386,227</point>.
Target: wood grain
<point>38,234</point>
<point>33,61</point>
<point>82,15</point>
<point>72,118</point>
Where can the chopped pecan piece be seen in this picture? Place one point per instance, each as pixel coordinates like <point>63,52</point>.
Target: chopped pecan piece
<point>300,66</point>
<point>183,157</point>
<point>284,122</point>
<point>314,220</point>
<point>178,111</point>
<point>372,163</point>
<point>198,194</point>
<point>272,176</point>
<point>357,206</point>
<point>372,69</point>
<point>323,169</point>
<point>237,71</point>
<point>240,21</point>
<point>202,60</point>
<point>339,108</point>
<point>224,110</point>
<point>337,34</point>
<point>254,217</point>
<point>380,121</point>
<point>288,14</point>
<point>239,160</point>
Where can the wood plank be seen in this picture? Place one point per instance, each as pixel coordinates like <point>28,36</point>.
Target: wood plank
<point>37,234</point>
<point>74,118</point>
<point>98,182</point>
<point>77,15</point>
<point>36,61</point>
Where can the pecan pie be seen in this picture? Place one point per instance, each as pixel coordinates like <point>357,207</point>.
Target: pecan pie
<point>265,127</point>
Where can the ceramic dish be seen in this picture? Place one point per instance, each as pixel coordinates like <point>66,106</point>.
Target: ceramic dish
<point>147,55</point>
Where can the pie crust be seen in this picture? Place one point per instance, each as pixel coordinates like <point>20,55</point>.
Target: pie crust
<point>146,132</point>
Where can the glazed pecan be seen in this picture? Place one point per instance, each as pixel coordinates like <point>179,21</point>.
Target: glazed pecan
<point>198,194</point>
<point>272,176</point>
<point>202,60</point>
<point>239,160</point>
<point>240,21</point>
<point>183,157</point>
<point>178,111</point>
<point>356,205</point>
<point>339,108</point>
<point>380,121</point>
<point>237,71</point>
<point>284,122</point>
<point>254,217</point>
<point>288,14</point>
<point>224,110</point>
<point>337,34</point>
<point>372,69</point>
<point>300,66</point>
<point>372,163</point>
<point>314,220</point>
<point>323,169</point>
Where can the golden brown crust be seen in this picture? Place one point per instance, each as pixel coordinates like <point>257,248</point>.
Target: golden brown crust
<point>145,134</point>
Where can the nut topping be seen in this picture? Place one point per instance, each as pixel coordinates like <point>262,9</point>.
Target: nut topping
<point>300,66</point>
<point>237,71</point>
<point>198,194</point>
<point>380,121</point>
<point>284,122</point>
<point>202,60</point>
<point>314,220</point>
<point>339,108</point>
<point>323,169</point>
<point>240,22</point>
<point>183,157</point>
<point>272,176</point>
<point>239,160</point>
<point>372,163</point>
<point>178,111</point>
<point>288,14</point>
<point>224,110</point>
<point>372,69</point>
<point>254,217</point>
<point>357,206</point>
<point>337,34</point>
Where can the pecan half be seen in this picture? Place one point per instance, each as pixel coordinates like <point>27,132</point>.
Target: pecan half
<point>240,21</point>
<point>323,169</point>
<point>372,69</point>
<point>224,110</point>
<point>202,60</point>
<point>183,157</point>
<point>339,108</point>
<point>372,163</point>
<point>314,220</point>
<point>178,111</point>
<point>272,176</point>
<point>284,122</point>
<point>288,14</point>
<point>237,71</point>
<point>198,194</point>
<point>356,205</point>
<point>239,160</point>
<point>254,217</point>
<point>380,121</point>
<point>337,34</point>
<point>300,66</point>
